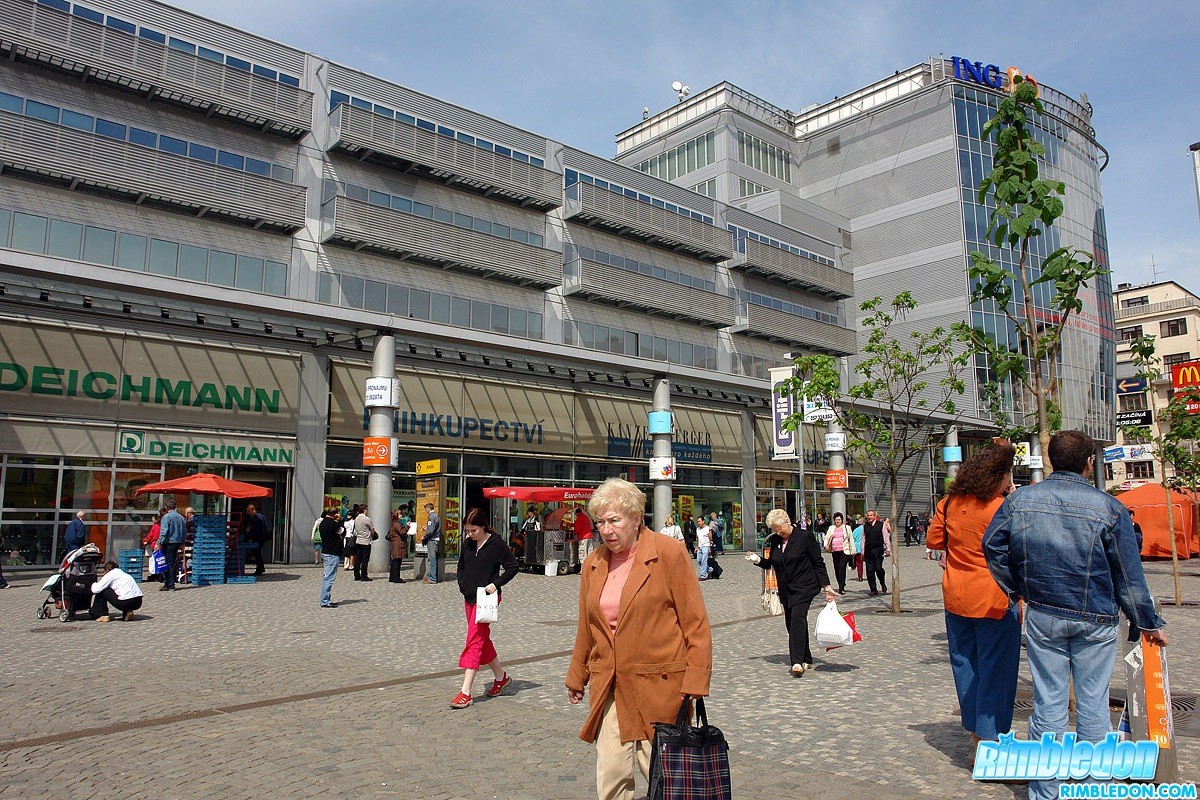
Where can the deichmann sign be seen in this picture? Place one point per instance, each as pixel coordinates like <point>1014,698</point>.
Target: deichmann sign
<point>52,371</point>
<point>199,449</point>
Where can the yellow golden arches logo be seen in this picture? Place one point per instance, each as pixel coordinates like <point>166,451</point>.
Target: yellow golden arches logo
<point>1184,375</point>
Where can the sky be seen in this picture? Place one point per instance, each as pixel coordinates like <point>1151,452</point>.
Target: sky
<point>579,72</point>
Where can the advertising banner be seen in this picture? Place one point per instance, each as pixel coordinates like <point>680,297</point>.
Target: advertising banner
<point>783,443</point>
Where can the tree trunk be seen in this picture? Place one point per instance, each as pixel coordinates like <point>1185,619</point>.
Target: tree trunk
<point>895,550</point>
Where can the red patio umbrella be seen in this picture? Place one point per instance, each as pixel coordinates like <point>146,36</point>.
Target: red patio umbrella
<point>205,483</point>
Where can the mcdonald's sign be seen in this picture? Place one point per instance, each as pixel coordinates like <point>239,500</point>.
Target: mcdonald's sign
<point>1185,375</point>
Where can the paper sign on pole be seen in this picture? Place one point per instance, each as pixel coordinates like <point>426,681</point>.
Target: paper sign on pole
<point>1022,459</point>
<point>381,393</point>
<point>662,468</point>
<point>835,442</point>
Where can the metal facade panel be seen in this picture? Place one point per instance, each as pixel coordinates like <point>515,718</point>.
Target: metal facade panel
<point>397,97</point>
<point>608,284</point>
<point>767,323</point>
<point>70,155</point>
<point>204,31</point>
<point>650,223</point>
<point>909,233</point>
<point>358,224</point>
<point>363,132</point>
<point>895,186</point>
<point>766,227</point>
<point>44,34</point>
<point>796,270</point>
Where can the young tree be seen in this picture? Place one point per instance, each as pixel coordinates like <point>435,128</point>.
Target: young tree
<point>1174,445</point>
<point>904,381</point>
<point>1025,207</point>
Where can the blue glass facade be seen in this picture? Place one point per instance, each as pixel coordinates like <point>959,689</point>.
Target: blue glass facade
<point>1088,358</point>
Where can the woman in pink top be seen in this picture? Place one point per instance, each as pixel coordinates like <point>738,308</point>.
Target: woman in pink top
<point>839,540</point>
<point>643,643</point>
<point>983,630</point>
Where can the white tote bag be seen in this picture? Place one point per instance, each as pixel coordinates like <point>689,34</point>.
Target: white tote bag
<point>487,606</point>
<point>832,630</point>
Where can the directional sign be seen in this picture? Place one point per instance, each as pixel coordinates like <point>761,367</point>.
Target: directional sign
<point>1142,417</point>
<point>1131,385</point>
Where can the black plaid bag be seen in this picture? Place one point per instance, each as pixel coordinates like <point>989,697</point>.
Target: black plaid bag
<point>689,762</point>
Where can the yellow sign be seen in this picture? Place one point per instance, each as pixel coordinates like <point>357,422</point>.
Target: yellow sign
<point>434,467</point>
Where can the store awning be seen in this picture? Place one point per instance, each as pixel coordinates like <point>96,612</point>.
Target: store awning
<point>539,494</point>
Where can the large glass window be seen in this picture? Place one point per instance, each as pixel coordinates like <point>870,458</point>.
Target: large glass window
<point>132,252</point>
<point>164,257</point>
<point>99,245</point>
<point>66,239</point>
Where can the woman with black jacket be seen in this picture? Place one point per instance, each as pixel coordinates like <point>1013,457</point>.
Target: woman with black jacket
<point>479,563</point>
<point>801,573</point>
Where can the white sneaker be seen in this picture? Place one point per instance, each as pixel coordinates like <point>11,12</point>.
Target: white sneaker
<point>808,667</point>
<point>797,669</point>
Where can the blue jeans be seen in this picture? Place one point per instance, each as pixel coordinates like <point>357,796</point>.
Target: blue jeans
<point>331,565</point>
<point>171,553</point>
<point>702,557</point>
<point>432,572</point>
<point>984,656</point>
<point>1059,649</point>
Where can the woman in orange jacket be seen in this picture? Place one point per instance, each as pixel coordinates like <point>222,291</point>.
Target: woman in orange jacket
<point>643,643</point>
<point>982,626</point>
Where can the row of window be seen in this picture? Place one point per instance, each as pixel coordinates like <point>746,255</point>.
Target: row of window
<point>139,136</point>
<point>573,177</point>
<point>642,345</point>
<point>740,234</point>
<point>79,242</point>
<point>456,218</point>
<point>1167,328</point>
<point>788,308</point>
<point>687,157</point>
<point>183,46</point>
<point>748,188</point>
<point>336,98</point>
<point>642,268</point>
<point>764,157</point>
<point>754,366</point>
<point>408,301</point>
<point>708,188</point>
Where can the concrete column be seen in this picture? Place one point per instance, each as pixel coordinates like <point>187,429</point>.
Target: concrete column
<point>379,479</point>
<point>308,478</point>
<point>837,460</point>
<point>1035,449</point>
<point>951,467</point>
<point>660,444</point>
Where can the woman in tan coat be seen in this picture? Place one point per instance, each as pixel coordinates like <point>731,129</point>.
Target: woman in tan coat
<point>643,643</point>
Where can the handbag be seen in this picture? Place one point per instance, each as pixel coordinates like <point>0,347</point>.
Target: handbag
<point>487,606</point>
<point>689,762</point>
<point>770,596</point>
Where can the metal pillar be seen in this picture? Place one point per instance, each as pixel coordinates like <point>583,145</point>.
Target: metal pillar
<point>379,479</point>
<point>660,447</point>
<point>951,466</point>
<point>837,460</point>
<point>1035,449</point>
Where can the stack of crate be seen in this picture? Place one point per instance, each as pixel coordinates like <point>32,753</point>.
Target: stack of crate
<point>131,561</point>
<point>208,550</point>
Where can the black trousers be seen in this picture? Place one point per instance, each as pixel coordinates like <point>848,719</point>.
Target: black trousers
<point>255,554</point>
<point>171,552</point>
<point>100,603</point>
<point>875,569</point>
<point>840,562</point>
<point>795,617</point>
<point>394,572</point>
<point>362,559</point>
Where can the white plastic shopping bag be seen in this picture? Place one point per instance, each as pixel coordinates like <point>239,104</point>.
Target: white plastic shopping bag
<point>832,630</point>
<point>487,606</point>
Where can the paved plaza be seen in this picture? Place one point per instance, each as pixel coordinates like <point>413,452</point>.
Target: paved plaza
<point>252,691</point>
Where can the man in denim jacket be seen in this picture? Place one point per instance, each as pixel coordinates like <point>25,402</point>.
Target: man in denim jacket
<point>1068,549</point>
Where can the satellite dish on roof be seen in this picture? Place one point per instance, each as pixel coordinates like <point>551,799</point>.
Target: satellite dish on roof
<point>677,86</point>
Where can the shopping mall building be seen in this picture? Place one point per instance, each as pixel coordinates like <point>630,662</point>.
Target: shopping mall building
<point>202,231</point>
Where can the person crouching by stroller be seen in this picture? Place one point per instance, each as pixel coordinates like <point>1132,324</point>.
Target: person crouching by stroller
<point>117,588</point>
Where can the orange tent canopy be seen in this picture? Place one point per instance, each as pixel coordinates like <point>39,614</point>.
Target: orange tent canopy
<point>205,483</point>
<point>1149,506</point>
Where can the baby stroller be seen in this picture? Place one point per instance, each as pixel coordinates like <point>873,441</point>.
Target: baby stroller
<point>70,589</point>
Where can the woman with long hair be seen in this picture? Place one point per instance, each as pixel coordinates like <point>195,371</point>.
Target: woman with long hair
<point>982,627</point>
<point>480,561</point>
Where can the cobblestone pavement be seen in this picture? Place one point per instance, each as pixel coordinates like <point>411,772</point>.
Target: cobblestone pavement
<point>253,691</point>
